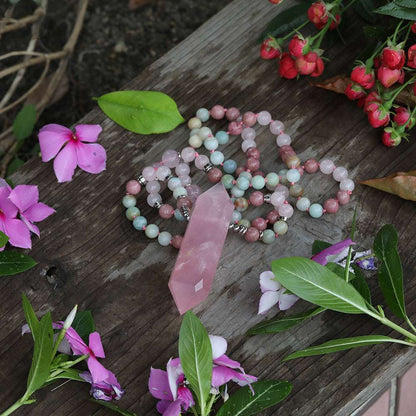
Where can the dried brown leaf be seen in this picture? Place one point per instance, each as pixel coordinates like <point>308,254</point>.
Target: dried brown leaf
<point>135,4</point>
<point>337,84</point>
<point>402,184</point>
<point>38,94</point>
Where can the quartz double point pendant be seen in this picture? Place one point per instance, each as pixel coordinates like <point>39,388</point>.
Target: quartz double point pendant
<point>200,251</point>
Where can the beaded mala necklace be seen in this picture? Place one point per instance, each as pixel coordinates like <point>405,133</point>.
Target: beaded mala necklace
<point>237,180</point>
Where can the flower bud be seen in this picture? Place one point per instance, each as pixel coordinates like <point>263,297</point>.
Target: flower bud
<point>270,49</point>
<point>354,91</point>
<point>393,58</point>
<point>317,14</point>
<point>70,318</point>
<point>296,46</point>
<point>388,76</point>
<point>379,116</point>
<point>306,64</point>
<point>287,68</point>
<point>361,76</point>
<point>391,138</point>
<point>411,56</point>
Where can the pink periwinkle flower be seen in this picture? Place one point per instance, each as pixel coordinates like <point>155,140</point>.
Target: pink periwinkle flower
<point>170,388</point>
<point>21,201</point>
<point>334,253</point>
<point>107,390</point>
<point>72,149</point>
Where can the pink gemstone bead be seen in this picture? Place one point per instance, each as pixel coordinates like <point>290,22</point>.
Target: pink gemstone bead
<point>257,198</point>
<point>239,170</point>
<point>276,127</point>
<point>247,144</point>
<point>253,152</point>
<point>183,202</point>
<point>133,187</point>
<point>283,140</point>
<point>252,164</point>
<point>193,192</point>
<point>249,119</point>
<point>311,166</point>
<point>217,112</point>
<point>162,173</point>
<point>326,166</point>
<point>331,206</point>
<point>153,198</point>
<point>149,173</point>
<point>286,210</point>
<point>176,241</point>
<point>166,211</point>
<point>283,189</point>
<point>343,197</point>
<point>214,175</point>
<point>233,114</point>
<point>277,199</point>
<point>201,161</point>
<point>273,216</point>
<point>301,170</point>
<point>235,128</point>
<point>259,223</point>
<point>186,180</point>
<point>248,134</point>
<point>170,158</point>
<point>153,187</point>
<point>264,118</point>
<point>252,234</point>
<point>188,154</point>
<point>182,169</point>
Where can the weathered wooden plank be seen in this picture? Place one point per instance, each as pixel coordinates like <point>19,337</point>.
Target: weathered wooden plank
<point>95,258</point>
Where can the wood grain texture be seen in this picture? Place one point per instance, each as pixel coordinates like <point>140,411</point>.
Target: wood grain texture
<point>89,254</point>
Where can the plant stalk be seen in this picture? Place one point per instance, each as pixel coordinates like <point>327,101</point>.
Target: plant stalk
<point>21,402</point>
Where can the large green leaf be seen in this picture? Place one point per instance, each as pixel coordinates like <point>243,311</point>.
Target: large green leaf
<point>143,112</point>
<point>24,122</point>
<point>69,374</point>
<point>283,323</point>
<point>196,356</point>
<point>406,3</point>
<point>316,284</point>
<point>360,283</point>
<point>318,246</point>
<point>12,262</point>
<point>42,355</point>
<point>267,394</point>
<point>84,324</point>
<point>340,345</point>
<point>390,272</point>
<point>400,12</point>
<point>286,21</point>
<point>31,317</point>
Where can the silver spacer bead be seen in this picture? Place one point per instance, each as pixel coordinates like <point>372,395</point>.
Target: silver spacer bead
<point>157,205</point>
<point>283,219</point>
<point>142,181</point>
<point>261,236</point>
<point>185,213</point>
<point>180,156</point>
<point>241,229</point>
<point>181,196</point>
<point>267,198</point>
<point>208,167</point>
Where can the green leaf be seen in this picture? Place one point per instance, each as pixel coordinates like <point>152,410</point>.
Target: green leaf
<point>318,246</point>
<point>41,361</point>
<point>316,284</point>
<point>280,324</point>
<point>406,3</point>
<point>113,407</point>
<point>30,317</point>
<point>390,272</point>
<point>24,122</point>
<point>12,262</point>
<point>365,8</point>
<point>196,356</point>
<point>3,239</point>
<point>286,21</point>
<point>14,165</point>
<point>340,345</point>
<point>394,10</point>
<point>143,112</point>
<point>337,269</point>
<point>84,324</point>
<point>360,284</point>
<point>267,394</point>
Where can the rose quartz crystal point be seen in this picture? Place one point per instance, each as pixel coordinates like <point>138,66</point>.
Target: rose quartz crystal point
<point>192,276</point>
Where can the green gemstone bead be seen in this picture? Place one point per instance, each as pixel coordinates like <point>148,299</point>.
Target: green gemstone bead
<point>280,227</point>
<point>243,183</point>
<point>268,237</point>
<point>129,201</point>
<point>244,222</point>
<point>258,182</point>
<point>152,231</point>
<point>316,210</point>
<point>132,213</point>
<point>164,238</point>
<point>272,179</point>
<point>227,181</point>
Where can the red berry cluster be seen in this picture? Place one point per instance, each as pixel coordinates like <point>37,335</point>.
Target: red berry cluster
<point>319,14</point>
<point>383,72</point>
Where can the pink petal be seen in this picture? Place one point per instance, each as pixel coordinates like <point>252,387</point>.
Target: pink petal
<point>227,362</point>
<point>163,405</point>
<point>51,139</point>
<point>221,376</point>
<point>86,375</point>
<point>88,132</point>
<point>286,301</point>
<point>185,396</point>
<point>65,163</point>
<point>79,347</point>
<point>91,157</point>
<point>18,233</point>
<point>4,184</point>
<point>172,379</point>
<point>159,385</point>
<point>268,282</point>
<point>323,256</point>
<point>98,371</point>
<point>218,345</point>
<point>24,196</point>
<point>267,301</point>
<point>32,227</point>
<point>95,345</point>
<point>7,206</point>
<point>38,212</point>
<point>174,409</point>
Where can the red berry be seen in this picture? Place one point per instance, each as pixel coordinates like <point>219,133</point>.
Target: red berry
<point>391,140</point>
<point>372,102</point>
<point>317,14</point>
<point>319,67</point>
<point>354,91</point>
<point>287,68</point>
<point>335,22</point>
<point>360,75</point>
<point>411,56</point>
<point>402,116</point>
<point>296,46</point>
<point>388,76</point>
<point>306,64</point>
<point>378,117</point>
<point>413,28</point>
<point>270,49</point>
<point>392,58</point>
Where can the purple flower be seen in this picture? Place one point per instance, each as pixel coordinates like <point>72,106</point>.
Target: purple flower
<point>169,387</point>
<point>72,149</point>
<point>273,294</point>
<point>107,390</point>
<point>333,253</point>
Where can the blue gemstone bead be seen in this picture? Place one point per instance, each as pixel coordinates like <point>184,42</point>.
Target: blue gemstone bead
<point>222,137</point>
<point>230,166</point>
<point>139,223</point>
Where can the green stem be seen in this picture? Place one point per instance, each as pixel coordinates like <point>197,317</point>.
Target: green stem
<point>295,30</point>
<point>348,6</point>
<point>210,403</point>
<point>410,324</point>
<point>397,31</point>
<point>193,411</point>
<point>396,327</point>
<point>389,103</point>
<point>21,402</point>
